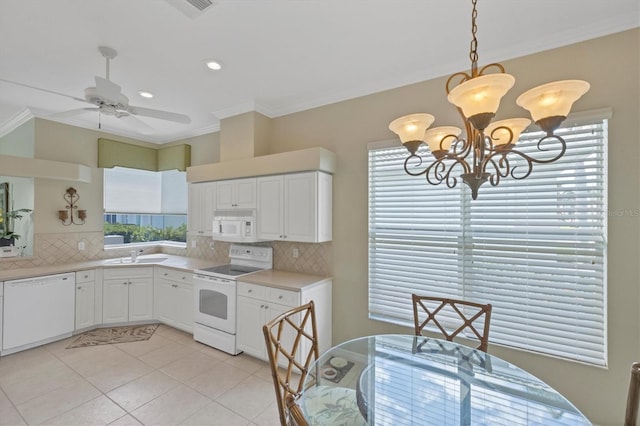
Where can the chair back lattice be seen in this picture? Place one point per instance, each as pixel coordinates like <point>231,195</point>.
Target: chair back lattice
<point>452,317</point>
<point>633,398</point>
<point>292,346</point>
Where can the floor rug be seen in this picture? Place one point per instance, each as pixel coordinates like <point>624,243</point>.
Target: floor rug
<point>110,335</point>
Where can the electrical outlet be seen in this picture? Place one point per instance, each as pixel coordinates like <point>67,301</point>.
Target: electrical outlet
<point>212,245</point>
<point>295,253</point>
<point>194,244</point>
<point>81,245</point>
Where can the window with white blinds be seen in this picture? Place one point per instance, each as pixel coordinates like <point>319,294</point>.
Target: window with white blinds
<point>534,248</point>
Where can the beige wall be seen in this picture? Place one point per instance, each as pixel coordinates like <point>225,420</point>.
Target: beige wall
<point>610,64</point>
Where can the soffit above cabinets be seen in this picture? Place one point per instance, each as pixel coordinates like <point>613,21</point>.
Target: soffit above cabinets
<point>39,168</point>
<point>287,162</point>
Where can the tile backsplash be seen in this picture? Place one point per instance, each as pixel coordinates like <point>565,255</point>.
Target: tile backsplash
<point>52,249</point>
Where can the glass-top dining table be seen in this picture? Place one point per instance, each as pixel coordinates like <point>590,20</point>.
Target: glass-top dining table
<point>413,380</point>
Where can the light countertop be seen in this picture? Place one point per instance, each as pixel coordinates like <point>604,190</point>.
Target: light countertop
<point>272,278</point>
<point>172,261</point>
<point>282,279</point>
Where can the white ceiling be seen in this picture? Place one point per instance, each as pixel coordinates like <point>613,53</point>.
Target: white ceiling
<point>279,56</point>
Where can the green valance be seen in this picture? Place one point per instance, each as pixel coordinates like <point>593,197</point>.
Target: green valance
<point>114,153</point>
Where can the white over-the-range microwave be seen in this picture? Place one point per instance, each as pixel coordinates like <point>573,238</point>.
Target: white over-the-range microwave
<point>238,225</point>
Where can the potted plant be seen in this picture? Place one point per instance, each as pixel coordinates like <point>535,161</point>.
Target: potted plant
<point>7,236</point>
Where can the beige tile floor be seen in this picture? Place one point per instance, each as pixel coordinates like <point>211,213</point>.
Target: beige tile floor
<point>167,380</point>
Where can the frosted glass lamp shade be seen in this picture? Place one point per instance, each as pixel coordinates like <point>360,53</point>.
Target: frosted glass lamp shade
<point>411,128</point>
<point>552,99</point>
<point>481,95</point>
<point>434,136</point>
<point>500,136</point>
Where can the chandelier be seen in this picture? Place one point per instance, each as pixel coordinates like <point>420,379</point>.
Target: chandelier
<point>488,153</point>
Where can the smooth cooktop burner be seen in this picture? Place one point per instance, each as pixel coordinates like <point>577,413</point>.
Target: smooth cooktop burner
<point>232,270</point>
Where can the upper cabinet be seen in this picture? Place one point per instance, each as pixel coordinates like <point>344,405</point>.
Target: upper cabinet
<point>202,203</point>
<point>236,194</point>
<point>295,207</point>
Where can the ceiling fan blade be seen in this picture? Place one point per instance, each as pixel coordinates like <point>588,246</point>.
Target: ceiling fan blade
<point>137,124</point>
<point>70,113</point>
<point>108,90</point>
<point>43,90</point>
<point>162,115</point>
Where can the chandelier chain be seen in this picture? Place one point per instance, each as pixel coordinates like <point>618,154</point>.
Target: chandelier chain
<point>473,53</point>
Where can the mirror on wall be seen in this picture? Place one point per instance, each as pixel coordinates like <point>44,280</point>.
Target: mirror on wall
<point>16,223</point>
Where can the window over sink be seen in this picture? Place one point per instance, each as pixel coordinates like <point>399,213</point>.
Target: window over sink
<point>144,207</point>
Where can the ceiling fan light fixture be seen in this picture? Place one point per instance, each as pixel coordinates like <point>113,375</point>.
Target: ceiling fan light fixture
<point>213,65</point>
<point>145,94</point>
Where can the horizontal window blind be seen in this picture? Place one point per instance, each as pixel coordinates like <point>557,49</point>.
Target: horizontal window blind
<point>534,248</point>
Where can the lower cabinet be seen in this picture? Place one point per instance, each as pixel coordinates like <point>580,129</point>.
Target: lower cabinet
<point>259,304</point>
<point>127,295</point>
<point>173,298</point>
<point>85,299</point>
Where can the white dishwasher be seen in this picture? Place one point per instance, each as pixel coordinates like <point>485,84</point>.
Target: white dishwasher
<point>37,311</point>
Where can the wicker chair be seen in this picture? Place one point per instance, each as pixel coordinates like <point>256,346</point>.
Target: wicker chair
<point>292,345</point>
<point>426,309</point>
<point>633,398</point>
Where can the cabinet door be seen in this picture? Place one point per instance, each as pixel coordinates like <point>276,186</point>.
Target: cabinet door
<point>141,299</point>
<point>85,305</point>
<point>270,208</point>
<point>300,211</point>
<point>184,307</point>
<point>224,195</point>
<point>202,200</point>
<point>250,319</point>
<point>246,193</point>
<point>164,306</point>
<point>237,193</point>
<point>115,301</point>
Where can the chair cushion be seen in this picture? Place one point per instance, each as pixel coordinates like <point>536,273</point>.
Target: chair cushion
<point>328,405</point>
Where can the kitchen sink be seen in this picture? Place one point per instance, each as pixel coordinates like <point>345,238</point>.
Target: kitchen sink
<point>127,261</point>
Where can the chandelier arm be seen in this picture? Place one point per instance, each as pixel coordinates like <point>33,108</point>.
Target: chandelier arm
<point>406,162</point>
<point>463,77</point>
<point>563,146</point>
<point>489,66</point>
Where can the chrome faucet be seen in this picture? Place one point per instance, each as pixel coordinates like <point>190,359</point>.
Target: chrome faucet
<point>134,255</point>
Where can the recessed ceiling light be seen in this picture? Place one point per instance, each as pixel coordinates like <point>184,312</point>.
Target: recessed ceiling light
<point>213,65</point>
<point>144,94</point>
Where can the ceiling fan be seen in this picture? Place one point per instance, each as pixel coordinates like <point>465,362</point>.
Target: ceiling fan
<point>108,99</point>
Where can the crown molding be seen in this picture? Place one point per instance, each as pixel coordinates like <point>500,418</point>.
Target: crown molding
<point>16,121</point>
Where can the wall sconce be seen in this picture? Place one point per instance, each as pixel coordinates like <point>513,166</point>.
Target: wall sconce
<point>66,216</point>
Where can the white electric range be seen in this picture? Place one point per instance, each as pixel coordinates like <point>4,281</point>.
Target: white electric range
<point>215,295</point>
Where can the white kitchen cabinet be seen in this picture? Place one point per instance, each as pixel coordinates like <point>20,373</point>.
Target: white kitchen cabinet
<point>202,203</point>
<point>173,298</point>
<point>258,304</point>
<point>295,207</point>
<point>127,295</point>
<point>236,194</point>
<point>85,299</point>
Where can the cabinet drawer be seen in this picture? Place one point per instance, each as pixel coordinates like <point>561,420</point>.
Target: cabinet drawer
<point>174,275</point>
<point>127,272</point>
<point>251,290</point>
<point>283,297</point>
<point>85,276</point>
